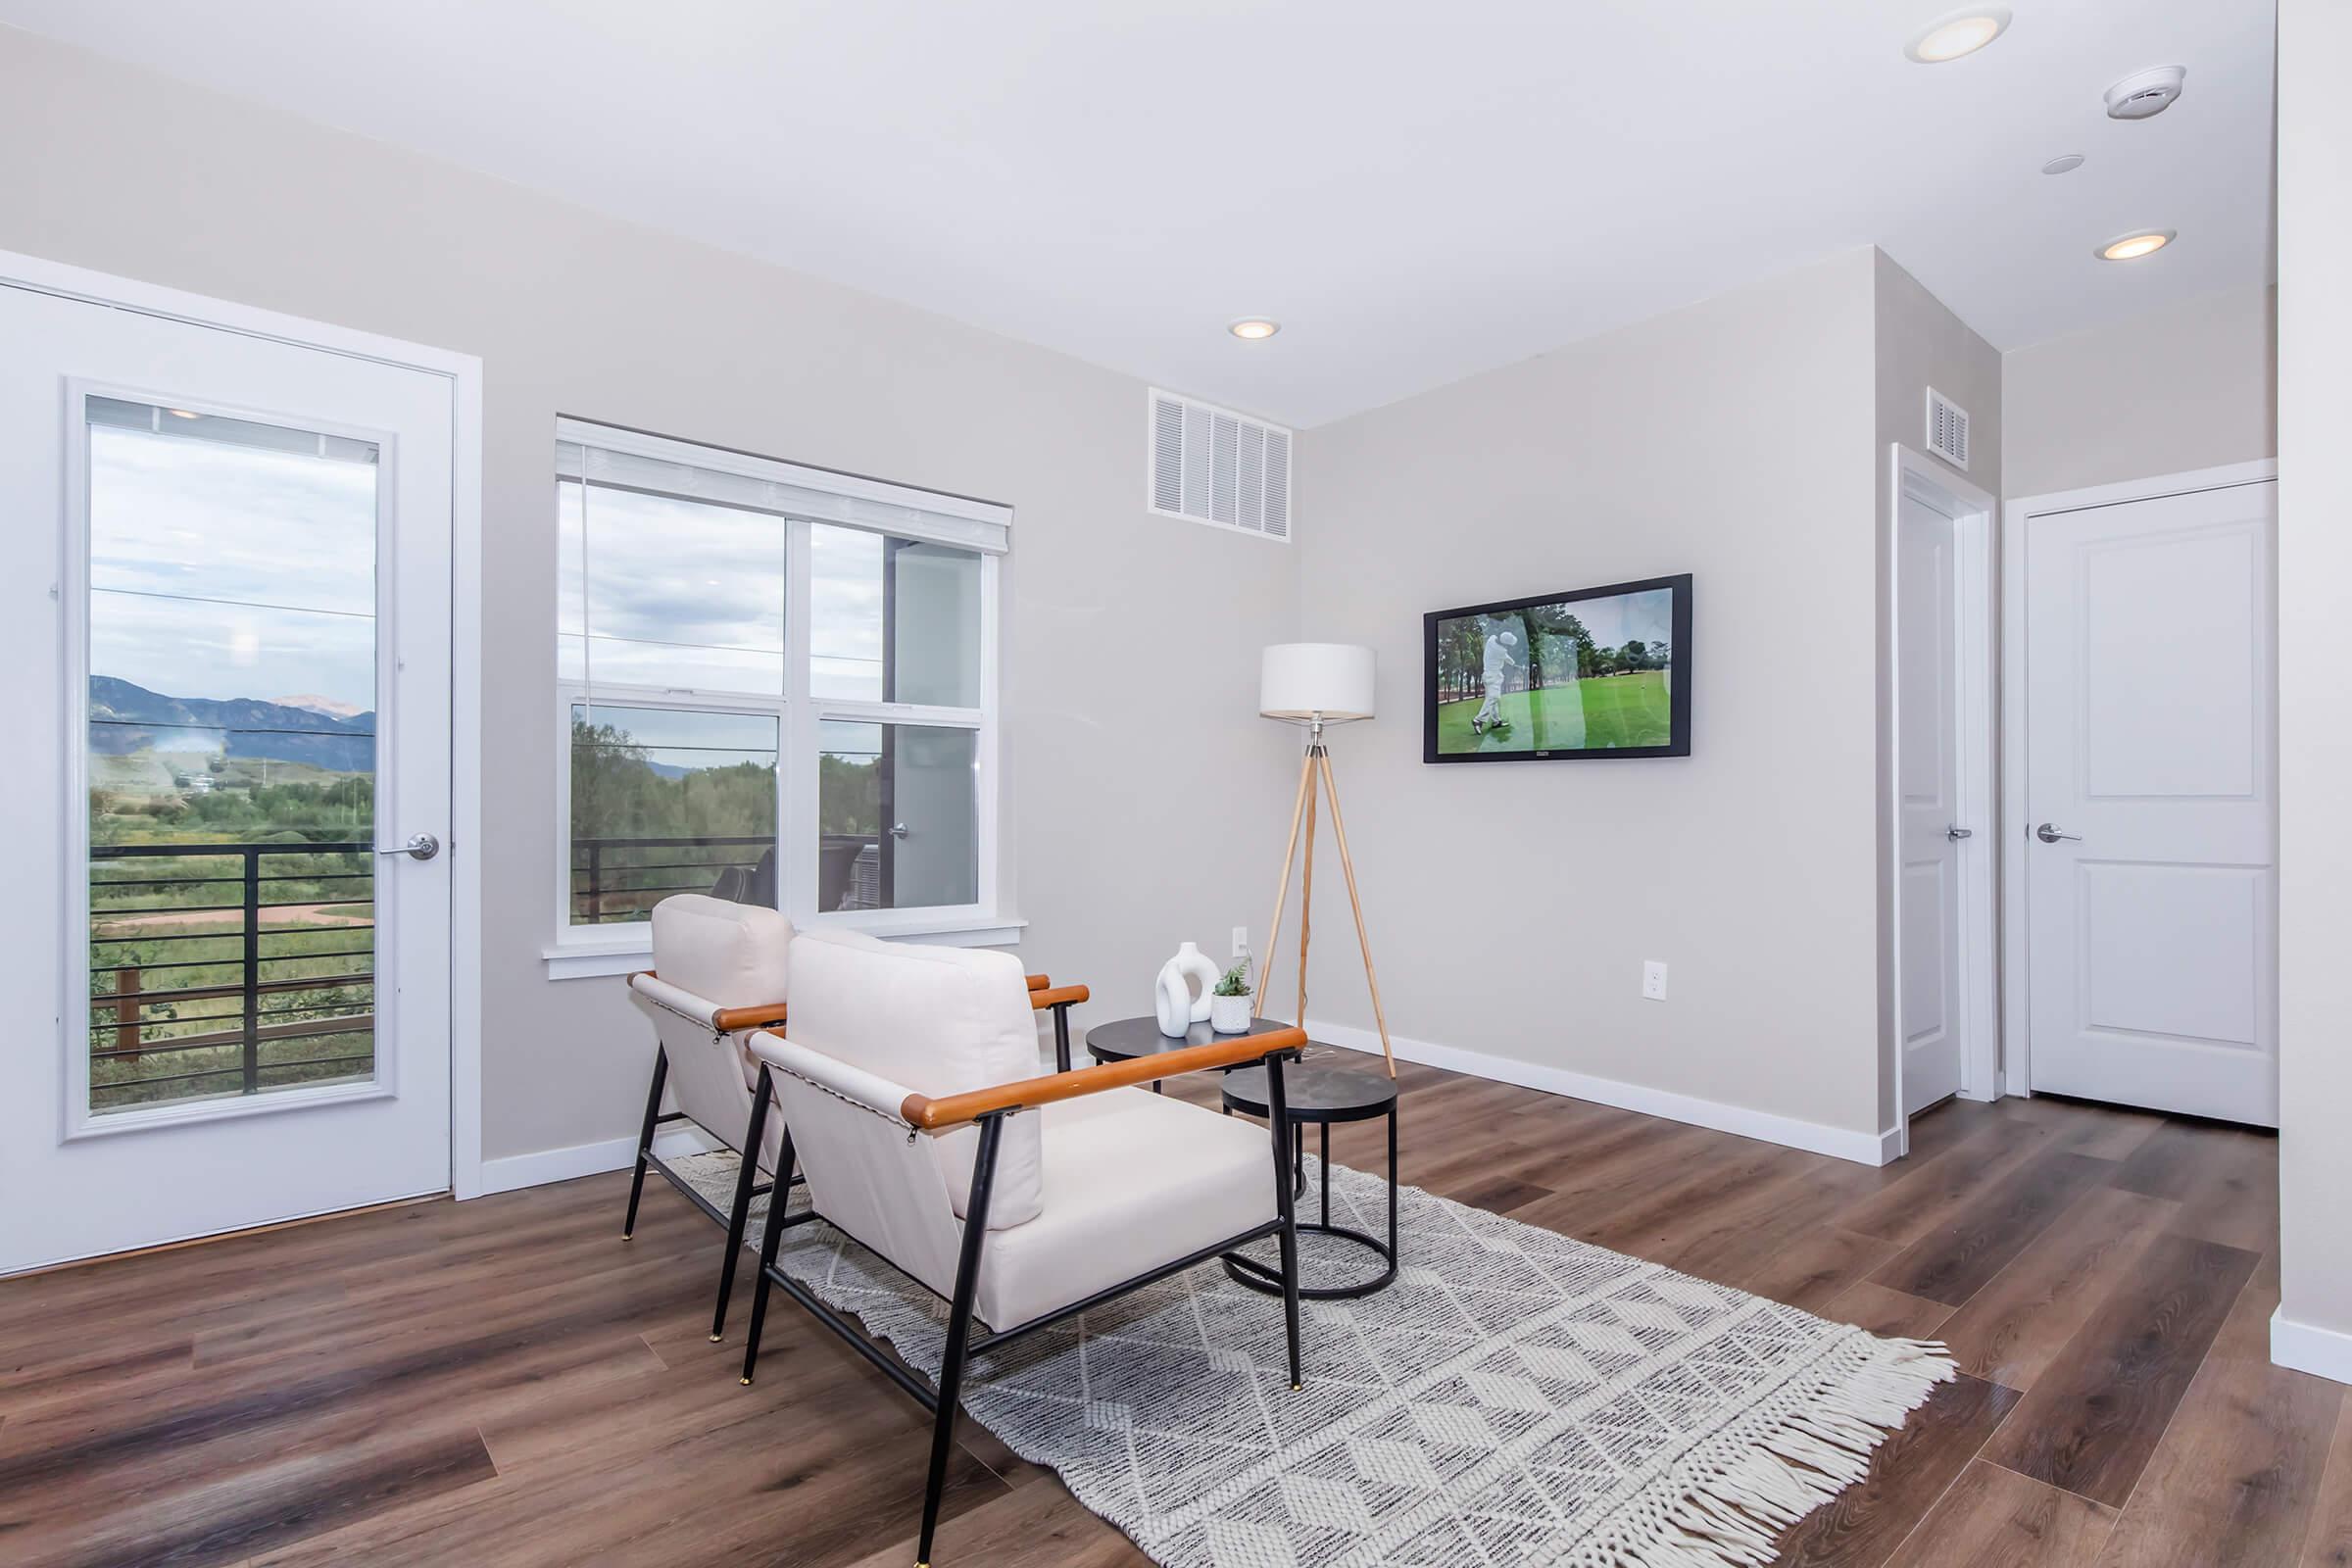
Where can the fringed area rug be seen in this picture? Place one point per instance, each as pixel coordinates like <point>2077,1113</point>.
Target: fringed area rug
<point>1514,1397</point>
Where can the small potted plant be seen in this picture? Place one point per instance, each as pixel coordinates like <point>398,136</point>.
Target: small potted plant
<point>1229,1002</point>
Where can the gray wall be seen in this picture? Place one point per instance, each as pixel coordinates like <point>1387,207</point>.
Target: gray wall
<point>2315,648</point>
<point>1513,904</point>
<point>1132,642</point>
<point>2188,387</point>
<point>1920,344</point>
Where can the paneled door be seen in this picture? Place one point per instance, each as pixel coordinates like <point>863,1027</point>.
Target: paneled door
<point>1929,828</point>
<point>2151,814</point>
<point>228,638</point>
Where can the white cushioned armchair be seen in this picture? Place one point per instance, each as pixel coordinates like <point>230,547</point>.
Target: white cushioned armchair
<point>721,972</point>
<point>907,1077</point>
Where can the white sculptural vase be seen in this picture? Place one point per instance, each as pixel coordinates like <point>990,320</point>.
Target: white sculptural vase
<point>1181,995</point>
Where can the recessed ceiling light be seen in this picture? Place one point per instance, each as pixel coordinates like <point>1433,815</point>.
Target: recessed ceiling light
<point>1963,33</point>
<point>2132,246</point>
<point>2063,164</point>
<point>1253,328</point>
<point>181,414</point>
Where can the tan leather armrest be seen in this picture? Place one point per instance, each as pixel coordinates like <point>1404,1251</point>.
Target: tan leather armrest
<point>730,1020</point>
<point>1058,995</point>
<point>765,1015</point>
<point>952,1110</point>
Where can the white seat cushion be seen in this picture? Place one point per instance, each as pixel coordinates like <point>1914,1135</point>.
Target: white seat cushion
<point>1132,1180</point>
<point>939,1021</point>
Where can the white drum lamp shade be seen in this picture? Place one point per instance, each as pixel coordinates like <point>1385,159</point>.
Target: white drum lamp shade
<point>1304,681</point>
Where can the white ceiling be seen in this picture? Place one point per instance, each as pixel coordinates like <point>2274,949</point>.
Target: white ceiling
<point>1416,192</point>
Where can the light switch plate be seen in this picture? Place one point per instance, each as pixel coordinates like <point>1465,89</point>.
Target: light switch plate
<point>1653,980</point>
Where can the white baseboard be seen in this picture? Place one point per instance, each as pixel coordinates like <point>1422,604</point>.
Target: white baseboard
<point>2304,1347</point>
<point>582,1160</point>
<point>1863,1148</point>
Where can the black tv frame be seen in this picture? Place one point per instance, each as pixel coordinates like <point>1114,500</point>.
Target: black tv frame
<point>1678,667</point>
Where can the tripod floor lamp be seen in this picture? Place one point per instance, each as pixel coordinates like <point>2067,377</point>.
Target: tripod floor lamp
<point>1314,685</point>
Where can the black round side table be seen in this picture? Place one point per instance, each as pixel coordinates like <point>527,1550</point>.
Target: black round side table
<point>1124,1039</point>
<point>1320,1093</point>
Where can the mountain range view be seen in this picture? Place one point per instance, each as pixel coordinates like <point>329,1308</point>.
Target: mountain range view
<point>125,718</point>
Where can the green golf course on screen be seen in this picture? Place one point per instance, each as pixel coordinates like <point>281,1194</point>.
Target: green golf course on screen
<point>1602,671</point>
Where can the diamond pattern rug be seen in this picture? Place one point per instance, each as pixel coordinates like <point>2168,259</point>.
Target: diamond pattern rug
<point>1514,1397</point>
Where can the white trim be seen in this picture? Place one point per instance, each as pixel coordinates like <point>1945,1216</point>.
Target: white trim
<point>581,962</point>
<point>1863,1148</point>
<point>465,372</point>
<point>512,1172</point>
<point>2017,1047</point>
<point>187,1112</point>
<point>863,710</point>
<point>1971,510</point>
<point>465,784</point>
<point>2308,1347</point>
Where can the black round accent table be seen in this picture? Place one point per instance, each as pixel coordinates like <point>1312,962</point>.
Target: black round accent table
<point>1129,1038</point>
<point>1317,1093</point>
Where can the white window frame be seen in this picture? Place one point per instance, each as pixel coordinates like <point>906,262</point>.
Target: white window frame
<point>892,511</point>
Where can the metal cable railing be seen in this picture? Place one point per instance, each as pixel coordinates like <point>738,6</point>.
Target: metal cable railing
<point>266,988</point>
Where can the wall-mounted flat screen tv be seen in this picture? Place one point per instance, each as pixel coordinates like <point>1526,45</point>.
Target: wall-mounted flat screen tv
<point>1596,672</point>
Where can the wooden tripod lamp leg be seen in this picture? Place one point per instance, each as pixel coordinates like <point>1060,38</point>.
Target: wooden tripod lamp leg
<point>1307,910</point>
<point>1339,831</point>
<point>1282,889</point>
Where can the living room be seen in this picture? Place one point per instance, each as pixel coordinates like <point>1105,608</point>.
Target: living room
<point>744,408</point>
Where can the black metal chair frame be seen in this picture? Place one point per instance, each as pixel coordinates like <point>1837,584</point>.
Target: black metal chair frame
<point>962,1345</point>
<point>748,1186</point>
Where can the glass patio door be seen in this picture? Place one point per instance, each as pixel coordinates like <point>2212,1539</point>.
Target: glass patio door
<point>229,628</point>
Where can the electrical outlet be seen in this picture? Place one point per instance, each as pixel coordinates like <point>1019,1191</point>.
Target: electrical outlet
<point>1653,980</point>
<point>1240,941</point>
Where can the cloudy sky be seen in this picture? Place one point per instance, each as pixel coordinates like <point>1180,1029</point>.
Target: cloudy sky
<point>1616,620</point>
<point>225,571</point>
<point>688,593</point>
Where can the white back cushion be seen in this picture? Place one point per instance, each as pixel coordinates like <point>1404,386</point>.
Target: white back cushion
<point>939,1021</point>
<point>735,955</point>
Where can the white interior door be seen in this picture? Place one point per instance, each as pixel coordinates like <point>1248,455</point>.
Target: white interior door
<point>1928,771</point>
<point>228,632</point>
<point>2151,898</point>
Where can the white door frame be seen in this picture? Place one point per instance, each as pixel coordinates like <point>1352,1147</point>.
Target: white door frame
<point>1971,513</point>
<point>464,374</point>
<point>2016,514</point>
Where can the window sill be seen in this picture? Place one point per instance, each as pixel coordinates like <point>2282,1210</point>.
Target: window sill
<point>582,961</point>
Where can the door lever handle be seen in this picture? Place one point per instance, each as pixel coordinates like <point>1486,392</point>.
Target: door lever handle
<point>2050,835</point>
<point>422,847</point>
<point>1956,834</point>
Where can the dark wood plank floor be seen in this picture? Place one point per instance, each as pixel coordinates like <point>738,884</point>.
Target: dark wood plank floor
<point>506,1382</point>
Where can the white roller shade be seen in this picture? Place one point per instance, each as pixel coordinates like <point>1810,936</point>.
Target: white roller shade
<point>626,459</point>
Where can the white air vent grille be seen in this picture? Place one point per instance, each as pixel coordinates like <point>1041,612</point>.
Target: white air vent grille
<point>1947,429</point>
<point>1213,466</point>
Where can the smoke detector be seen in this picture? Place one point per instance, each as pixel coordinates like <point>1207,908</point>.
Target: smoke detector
<point>2145,94</point>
